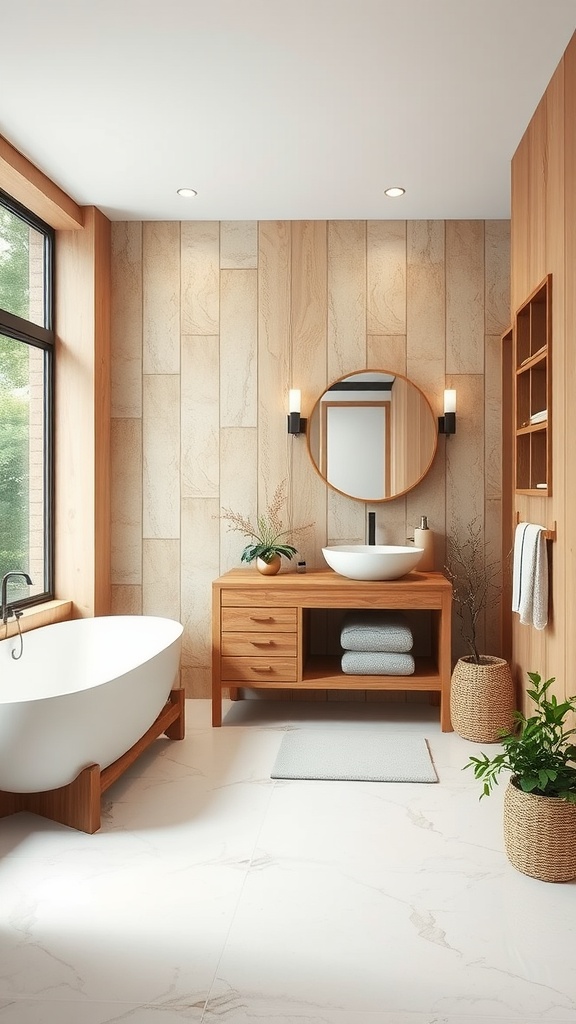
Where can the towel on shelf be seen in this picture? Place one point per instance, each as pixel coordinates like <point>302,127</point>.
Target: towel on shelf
<point>375,630</point>
<point>530,575</point>
<point>377,663</point>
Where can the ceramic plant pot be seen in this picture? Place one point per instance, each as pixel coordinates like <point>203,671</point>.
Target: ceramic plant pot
<point>269,568</point>
<point>482,699</point>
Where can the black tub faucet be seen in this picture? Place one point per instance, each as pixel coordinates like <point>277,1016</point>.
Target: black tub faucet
<point>371,527</point>
<point>3,600</point>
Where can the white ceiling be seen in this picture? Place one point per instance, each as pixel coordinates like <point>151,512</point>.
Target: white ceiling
<point>278,109</point>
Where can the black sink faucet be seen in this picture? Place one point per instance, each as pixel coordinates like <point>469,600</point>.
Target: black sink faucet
<point>3,600</point>
<point>371,527</point>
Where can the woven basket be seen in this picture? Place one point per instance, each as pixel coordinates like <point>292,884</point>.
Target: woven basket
<point>482,699</point>
<point>540,835</point>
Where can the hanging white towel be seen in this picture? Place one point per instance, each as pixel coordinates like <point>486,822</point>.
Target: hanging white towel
<point>530,575</point>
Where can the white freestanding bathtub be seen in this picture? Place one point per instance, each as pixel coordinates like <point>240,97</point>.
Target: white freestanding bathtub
<point>83,693</point>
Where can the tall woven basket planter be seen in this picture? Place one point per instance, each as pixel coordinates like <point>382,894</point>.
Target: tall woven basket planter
<point>540,835</point>
<point>482,699</point>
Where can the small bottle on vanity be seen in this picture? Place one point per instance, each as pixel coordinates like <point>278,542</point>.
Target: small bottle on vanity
<point>424,538</point>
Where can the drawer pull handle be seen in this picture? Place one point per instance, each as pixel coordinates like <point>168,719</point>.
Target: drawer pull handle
<point>262,643</point>
<point>255,618</point>
<point>261,668</point>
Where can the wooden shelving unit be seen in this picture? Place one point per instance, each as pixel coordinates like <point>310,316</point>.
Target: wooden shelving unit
<point>508,486</point>
<point>533,393</point>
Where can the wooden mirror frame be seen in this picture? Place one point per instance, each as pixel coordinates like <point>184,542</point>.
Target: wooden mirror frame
<point>431,431</point>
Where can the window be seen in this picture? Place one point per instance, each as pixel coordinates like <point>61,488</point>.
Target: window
<point>26,382</point>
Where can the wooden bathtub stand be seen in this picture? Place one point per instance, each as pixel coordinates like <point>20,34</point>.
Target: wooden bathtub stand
<point>78,804</point>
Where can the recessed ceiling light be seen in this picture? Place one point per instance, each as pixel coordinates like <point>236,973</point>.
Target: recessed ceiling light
<point>394,192</point>
<point>187,193</point>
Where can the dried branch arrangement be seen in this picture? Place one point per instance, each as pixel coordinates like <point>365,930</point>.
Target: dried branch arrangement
<point>475,581</point>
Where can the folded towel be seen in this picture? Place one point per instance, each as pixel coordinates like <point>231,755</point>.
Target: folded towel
<point>377,663</point>
<point>375,630</point>
<point>530,575</point>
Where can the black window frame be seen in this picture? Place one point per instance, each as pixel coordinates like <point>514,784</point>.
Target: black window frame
<point>20,329</point>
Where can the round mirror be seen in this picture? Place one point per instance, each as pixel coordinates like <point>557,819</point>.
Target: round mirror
<point>372,435</point>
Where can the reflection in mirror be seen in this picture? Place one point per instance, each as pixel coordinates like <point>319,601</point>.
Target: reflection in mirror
<point>372,435</point>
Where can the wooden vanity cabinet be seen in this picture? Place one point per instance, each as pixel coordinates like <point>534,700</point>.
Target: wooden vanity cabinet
<point>260,628</point>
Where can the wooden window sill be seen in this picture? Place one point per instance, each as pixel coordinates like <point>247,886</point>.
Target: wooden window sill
<point>39,615</point>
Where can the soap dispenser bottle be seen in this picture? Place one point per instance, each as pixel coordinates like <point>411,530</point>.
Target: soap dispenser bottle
<point>424,538</point>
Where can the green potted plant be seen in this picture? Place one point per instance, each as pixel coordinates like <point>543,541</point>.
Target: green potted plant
<point>268,540</point>
<point>540,800</point>
<point>482,690</point>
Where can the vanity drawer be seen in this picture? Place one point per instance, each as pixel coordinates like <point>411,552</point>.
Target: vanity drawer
<point>261,645</point>
<point>258,670</point>
<point>259,619</point>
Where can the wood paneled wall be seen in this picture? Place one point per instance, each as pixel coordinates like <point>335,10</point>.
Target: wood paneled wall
<point>542,242</point>
<point>82,416</point>
<point>212,323</point>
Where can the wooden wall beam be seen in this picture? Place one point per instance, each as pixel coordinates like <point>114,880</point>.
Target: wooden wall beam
<point>22,180</point>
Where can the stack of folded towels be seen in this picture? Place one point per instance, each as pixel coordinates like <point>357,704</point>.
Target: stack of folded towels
<point>377,643</point>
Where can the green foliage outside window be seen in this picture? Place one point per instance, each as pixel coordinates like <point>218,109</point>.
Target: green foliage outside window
<point>14,263</point>
<point>14,397</point>
<point>14,472</point>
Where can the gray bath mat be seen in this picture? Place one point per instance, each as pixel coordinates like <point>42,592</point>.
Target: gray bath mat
<point>353,755</point>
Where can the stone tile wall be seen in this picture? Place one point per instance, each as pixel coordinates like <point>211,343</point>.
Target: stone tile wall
<point>211,325</point>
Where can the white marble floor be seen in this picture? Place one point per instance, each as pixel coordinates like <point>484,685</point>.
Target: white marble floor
<point>213,893</point>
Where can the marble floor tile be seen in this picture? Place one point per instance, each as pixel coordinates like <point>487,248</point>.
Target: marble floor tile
<point>215,894</point>
<point>36,1011</point>
<point>149,931</point>
<point>237,1011</point>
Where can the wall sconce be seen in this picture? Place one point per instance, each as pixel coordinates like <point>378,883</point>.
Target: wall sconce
<point>447,422</point>
<point>296,423</point>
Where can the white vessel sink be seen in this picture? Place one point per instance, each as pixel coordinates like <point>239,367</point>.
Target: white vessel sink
<point>372,561</point>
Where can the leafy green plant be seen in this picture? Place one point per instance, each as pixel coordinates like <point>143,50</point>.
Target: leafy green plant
<point>537,753</point>
<point>266,536</point>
